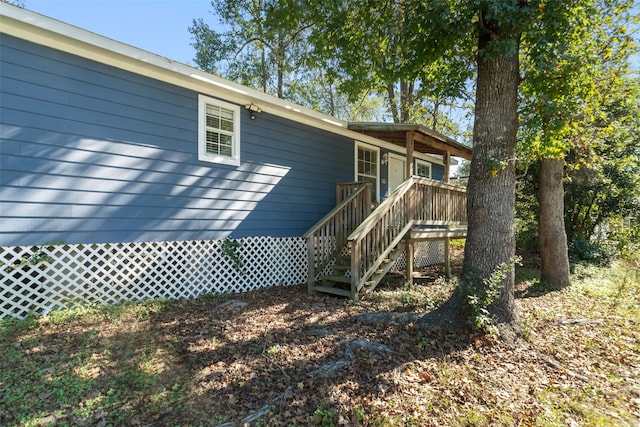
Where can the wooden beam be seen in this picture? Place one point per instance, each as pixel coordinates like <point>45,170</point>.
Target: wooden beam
<point>424,141</point>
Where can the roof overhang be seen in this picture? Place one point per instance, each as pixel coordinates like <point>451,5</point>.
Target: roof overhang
<point>425,140</point>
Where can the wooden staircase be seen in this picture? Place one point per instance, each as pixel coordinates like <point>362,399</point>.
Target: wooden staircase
<point>351,249</point>
<point>339,281</point>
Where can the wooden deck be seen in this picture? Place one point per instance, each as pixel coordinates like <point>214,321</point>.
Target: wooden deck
<point>351,248</point>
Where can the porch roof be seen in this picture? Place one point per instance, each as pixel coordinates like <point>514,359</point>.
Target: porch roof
<point>424,140</point>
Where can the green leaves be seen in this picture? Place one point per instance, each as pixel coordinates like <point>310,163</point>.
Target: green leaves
<point>573,57</point>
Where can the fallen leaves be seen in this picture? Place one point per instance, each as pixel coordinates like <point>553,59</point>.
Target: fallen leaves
<point>287,358</point>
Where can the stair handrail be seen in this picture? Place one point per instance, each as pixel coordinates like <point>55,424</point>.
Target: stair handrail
<point>379,233</point>
<point>328,236</point>
<point>417,199</point>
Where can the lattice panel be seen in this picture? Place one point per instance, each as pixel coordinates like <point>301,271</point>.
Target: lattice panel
<point>37,280</point>
<point>424,254</point>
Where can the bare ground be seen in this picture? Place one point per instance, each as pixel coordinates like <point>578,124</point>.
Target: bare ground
<point>282,357</point>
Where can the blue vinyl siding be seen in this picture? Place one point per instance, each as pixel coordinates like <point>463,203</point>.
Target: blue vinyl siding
<point>437,172</point>
<point>91,153</point>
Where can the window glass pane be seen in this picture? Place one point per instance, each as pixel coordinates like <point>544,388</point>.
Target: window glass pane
<point>226,140</point>
<point>226,119</point>
<point>226,150</point>
<point>423,169</point>
<point>226,125</point>
<point>368,168</point>
<point>219,132</point>
<point>213,122</point>
<point>226,114</point>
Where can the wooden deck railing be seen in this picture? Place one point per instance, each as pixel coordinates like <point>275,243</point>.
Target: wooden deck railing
<point>346,189</point>
<point>439,203</point>
<point>328,236</point>
<point>416,201</point>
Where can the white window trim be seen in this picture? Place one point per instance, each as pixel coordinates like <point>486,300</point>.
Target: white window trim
<point>234,160</point>
<point>357,145</point>
<point>423,162</point>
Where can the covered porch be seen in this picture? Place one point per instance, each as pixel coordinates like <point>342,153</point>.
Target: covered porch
<point>352,248</point>
<point>416,139</point>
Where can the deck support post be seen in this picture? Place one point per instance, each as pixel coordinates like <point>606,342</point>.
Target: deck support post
<point>410,260</point>
<point>447,257</point>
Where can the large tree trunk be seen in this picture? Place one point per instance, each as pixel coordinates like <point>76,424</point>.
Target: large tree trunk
<point>554,254</point>
<point>491,190</point>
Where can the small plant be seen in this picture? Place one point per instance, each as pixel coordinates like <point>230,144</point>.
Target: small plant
<point>39,256</point>
<point>479,293</point>
<point>358,415</point>
<point>323,417</point>
<point>526,329</point>
<point>229,250</point>
<point>424,342</point>
<point>273,349</point>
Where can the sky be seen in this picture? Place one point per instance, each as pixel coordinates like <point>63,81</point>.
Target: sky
<point>157,26</point>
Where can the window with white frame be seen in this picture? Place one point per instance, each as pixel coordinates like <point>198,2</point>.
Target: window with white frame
<point>423,168</point>
<point>367,167</point>
<point>218,131</point>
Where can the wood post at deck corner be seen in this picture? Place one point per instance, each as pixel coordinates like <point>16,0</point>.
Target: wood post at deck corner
<point>410,260</point>
<point>311,271</point>
<point>447,257</point>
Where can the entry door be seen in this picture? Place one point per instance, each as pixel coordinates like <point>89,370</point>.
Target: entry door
<point>397,171</point>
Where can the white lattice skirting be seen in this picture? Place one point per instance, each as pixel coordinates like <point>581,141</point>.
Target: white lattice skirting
<point>425,253</point>
<point>37,280</point>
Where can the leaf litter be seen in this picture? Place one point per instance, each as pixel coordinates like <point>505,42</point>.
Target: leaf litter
<point>279,356</point>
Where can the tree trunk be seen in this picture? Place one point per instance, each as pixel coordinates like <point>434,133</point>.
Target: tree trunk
<point>391,96</point>
<point>491,190</point>
<point>406,100</point>
<point>554,255</point>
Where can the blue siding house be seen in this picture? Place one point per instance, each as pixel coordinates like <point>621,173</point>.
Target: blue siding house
<point>104,143</point>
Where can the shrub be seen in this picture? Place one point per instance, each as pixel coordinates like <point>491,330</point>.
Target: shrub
<point>600,252</point>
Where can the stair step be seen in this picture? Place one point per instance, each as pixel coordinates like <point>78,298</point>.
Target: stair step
<point>343,259</point>
<point>337,279</point>
<point>330,290</point>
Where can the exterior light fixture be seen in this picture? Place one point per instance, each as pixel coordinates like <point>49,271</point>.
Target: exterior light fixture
<point>253,110</point>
